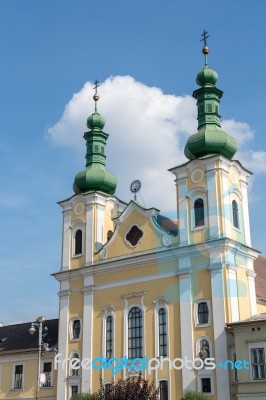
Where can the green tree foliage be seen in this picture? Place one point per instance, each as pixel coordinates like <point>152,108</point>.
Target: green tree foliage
<point>194,396</point>
<point>86,396</point>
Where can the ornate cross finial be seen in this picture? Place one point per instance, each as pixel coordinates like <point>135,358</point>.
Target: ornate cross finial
<point>205,49</point>
<point>96,83</point>
<point>96,96</point>
<point>205,37</point>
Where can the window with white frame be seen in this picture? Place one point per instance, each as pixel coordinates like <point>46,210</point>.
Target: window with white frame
<point>202,314</point>
<point>74,390</point>
<point>108,331</point>
<point>75,329</point>
<point>199,213</point>
<point>162,320</point>
<point>161,326</point>
<point>78,242</point>
<point>206,385</point>
<point>198,208</point>
<point>235,213</point>
<point>109,337</point>
<point>18,376</point>
<point>78,238</point>
<point>46,374</point>
<point>135,333</point>
<point>163,390</point>
<point>258,363</point>
<point>74,364</point>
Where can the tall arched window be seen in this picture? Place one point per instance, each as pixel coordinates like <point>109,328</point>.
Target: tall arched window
<point>78,242</point>
<point>199,212</point>
<point>163,387</point>
<point>135,333</point>
<point>162,333</point>
<point>109,337</point>
<point>235,214</point>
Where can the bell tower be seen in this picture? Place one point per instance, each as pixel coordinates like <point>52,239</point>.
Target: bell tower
<point>87,222</point>
<point>212,207</point>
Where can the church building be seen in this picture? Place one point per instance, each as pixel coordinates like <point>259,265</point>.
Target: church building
<point>135,284</point>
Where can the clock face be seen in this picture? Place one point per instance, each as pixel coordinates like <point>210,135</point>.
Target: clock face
<point>135,186</point>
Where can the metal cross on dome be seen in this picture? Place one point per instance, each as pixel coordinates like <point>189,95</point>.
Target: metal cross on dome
<point>96,85</point>
<point>205,49</point>
<point>96,96</point>
<point>205,36</point>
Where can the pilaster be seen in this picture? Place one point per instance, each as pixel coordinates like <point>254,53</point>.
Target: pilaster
<point>63,340</point>
<point>86,380</point>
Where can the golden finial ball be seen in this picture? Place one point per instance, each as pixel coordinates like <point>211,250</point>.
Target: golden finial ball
<point>205,50</point>
<point>96,97</point>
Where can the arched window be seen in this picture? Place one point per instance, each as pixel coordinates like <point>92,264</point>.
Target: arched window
<point>78,242</point>
<point>109,337</point>
<point>203,313</point>
<point>74,364</point>
<point>199,212</point>
<point>76,327</point>
<point>135,333</point>
<point>162,333</point>
<point>235,214</point>
<point>163,386</point>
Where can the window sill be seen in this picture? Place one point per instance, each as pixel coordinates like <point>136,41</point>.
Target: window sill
<point>197,325</point>
<point>198,228</point>
<point>47,387</point>
<point>77,255</point>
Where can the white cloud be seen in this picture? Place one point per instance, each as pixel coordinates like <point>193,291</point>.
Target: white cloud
<point>255,161</point>
<point>241,131</point>
<point>148,130</point>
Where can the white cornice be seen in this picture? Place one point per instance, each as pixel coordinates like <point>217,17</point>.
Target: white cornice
<point>155,256</point>
<point>132,206</point>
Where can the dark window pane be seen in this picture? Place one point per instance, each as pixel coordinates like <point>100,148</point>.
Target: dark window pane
<point>109,337</point>
<point>18,377</point>
<point>78,242</point>
<point>76,329</point>
<point>258,363</point>
<point>74,390</point>
<point>162,333</point>
<point>163,390</point>
<point>47,370</point>
<point>199,212</point>
<point>135,333</point>
<point>134,235</point>
<point>235,214</point>
<point>206,385</point>
<point>203,313</point>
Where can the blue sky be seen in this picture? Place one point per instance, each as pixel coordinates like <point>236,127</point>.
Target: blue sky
<point>53,49</point>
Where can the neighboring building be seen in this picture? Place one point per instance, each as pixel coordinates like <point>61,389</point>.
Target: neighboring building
<point>260,282</point>
<point>19,362</point>
<point>249,343</point>
<point>133,283</point>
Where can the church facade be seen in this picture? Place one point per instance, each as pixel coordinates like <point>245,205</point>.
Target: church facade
<point>137,285</point>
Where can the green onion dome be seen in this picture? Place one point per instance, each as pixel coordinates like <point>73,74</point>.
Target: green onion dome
<point>210,138</point>
<point>95,177</point>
